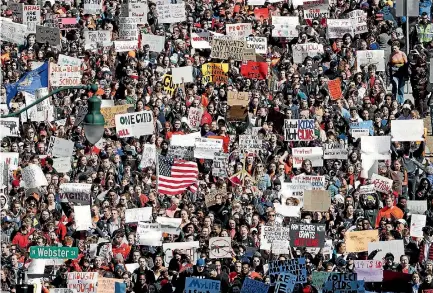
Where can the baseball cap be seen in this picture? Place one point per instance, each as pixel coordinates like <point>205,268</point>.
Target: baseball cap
<point>201,262</point>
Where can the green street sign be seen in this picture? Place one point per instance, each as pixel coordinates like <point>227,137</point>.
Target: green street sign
<point>53,252</point>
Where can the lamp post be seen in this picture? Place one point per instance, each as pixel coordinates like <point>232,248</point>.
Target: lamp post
<point>93,122</point>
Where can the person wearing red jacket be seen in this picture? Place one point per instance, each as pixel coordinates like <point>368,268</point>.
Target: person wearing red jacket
<point>22,237</point>
<point>118,246</point>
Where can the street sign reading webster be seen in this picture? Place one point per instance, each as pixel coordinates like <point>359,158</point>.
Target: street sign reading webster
<point>50,252</point>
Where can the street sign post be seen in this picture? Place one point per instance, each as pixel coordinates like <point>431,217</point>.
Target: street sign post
<point>53,252</point>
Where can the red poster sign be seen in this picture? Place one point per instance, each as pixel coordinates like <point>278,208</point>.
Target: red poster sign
<point>257,70</point>
<point>261,13</point>
<point>334,87</point>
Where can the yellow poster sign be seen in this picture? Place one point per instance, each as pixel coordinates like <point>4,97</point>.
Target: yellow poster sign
<point>110,112</point>
<point>215,73</point>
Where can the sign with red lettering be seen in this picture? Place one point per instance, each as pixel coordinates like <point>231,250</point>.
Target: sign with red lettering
<point>308,235</point>
<point>381,184</point>
<point>334,87</point>
<point>239,30</point>
<point>298,129</point>
<point>32,17</point>
<point>257,70</point>
<point>83,281</point>
<point>65,75</point>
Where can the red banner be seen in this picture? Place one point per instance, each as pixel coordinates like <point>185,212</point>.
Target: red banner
<point>257,70</point>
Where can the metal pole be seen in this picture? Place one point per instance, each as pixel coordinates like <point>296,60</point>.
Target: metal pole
<point>76,87</point>
<point>407,39</point>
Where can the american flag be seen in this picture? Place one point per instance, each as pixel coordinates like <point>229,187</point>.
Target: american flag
<point>175,175</point>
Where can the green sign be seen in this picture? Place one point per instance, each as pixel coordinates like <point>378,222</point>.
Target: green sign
<point>51,252</point>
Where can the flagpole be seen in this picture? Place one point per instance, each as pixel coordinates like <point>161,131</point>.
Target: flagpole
<point>157,169</point>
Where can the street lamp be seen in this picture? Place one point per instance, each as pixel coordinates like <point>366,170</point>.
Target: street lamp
<point>93,122</point>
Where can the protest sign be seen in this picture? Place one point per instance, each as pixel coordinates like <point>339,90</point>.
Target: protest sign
<point>148,156</point>
<point>314,154</point>
<point>201,40</point>
<point>182,74</point>
<point>381,184</point>
<point>417,222</point>
<point>10,159</point>
<point>343,283</point>
<point>417,206</point>
<point>363,128</point>
<point>357,241</point>
<point>83,219</point>
<point>134,124</point>
<point>85,282</point>
<point>319,279</point>
<point>369,270</point>
<point>396,247</point>
<point>62,290</point>
<point>260,14</point>
<point>256,70</point>
<point>259,44</point>
<point>106,285</point>
<point>170,13</point>
<point>195,285</point>
<point>50,35</point>
<point>220,164</point>
<point>253,286</point>
<point>285,283</point>
<point>239,31</point>
<point>295,266</point>
<point>225,49</point>
<point>317,200</point>
<point>125,46</point>
<point>68,60</point>
<point>187,140</point>
<point>99,36</point>
<point>377,147</point>
<point>31,17</point>
<point>285,26</point>
<point>9,126</point>
<point>136,9</point>
<point>33,176</point>
<point>270,233</point>
<point>92,6</point>
<point>280,247</point>
<point>59,147</point>
<point>187,248</point>
<point>149,234</point>
<point>399,130</point>
<point>238,99</point>
<point>335,151</point>
<point>301,51</point>
<point>337,28</point>
<point>220,247</point>
<point>368,57</point>
<point>316,182</point>
<point>334,87</point>
<point>318,12</point>
<point>169,225</point>
<point>65,75</point>
<point>249,142</point>
<point>205,148</point>
<point>75,192</point>
<point>298,129</point>
<point>360,21</point>
<point>109,113</point>
<point>128,29</point>
<point>138,215</point>
<point>181,152</point>
<point>17,11</point>
<point>62,165</point>
<point>215,73</point>
<point>293,193</point>
<point>167,83</point>
<point>288,210</point>
<point>12,32</point>
<point>366,189</point>
<point>156,43</point>
<point>308,235</point>
<point>194,117</point>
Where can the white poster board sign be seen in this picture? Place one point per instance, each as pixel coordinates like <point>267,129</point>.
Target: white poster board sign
<point>83,218</point>
<point>399,130</point>
<point>367,57</point>
<point>138,215</point>
<point>33,176</point>
<point>134,124</point>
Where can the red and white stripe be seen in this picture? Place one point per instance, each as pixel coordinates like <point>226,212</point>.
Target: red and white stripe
<point>184,174</point>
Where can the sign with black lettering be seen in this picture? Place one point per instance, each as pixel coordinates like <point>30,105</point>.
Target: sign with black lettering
<point>308,235</point>
<point>295,266</point>
<point>32,17</point>
<point>134,124</point>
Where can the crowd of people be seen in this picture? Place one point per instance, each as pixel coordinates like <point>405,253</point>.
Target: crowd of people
<point>252,181</point>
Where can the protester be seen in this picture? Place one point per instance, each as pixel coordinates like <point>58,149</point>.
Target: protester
<point>245,145</point>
